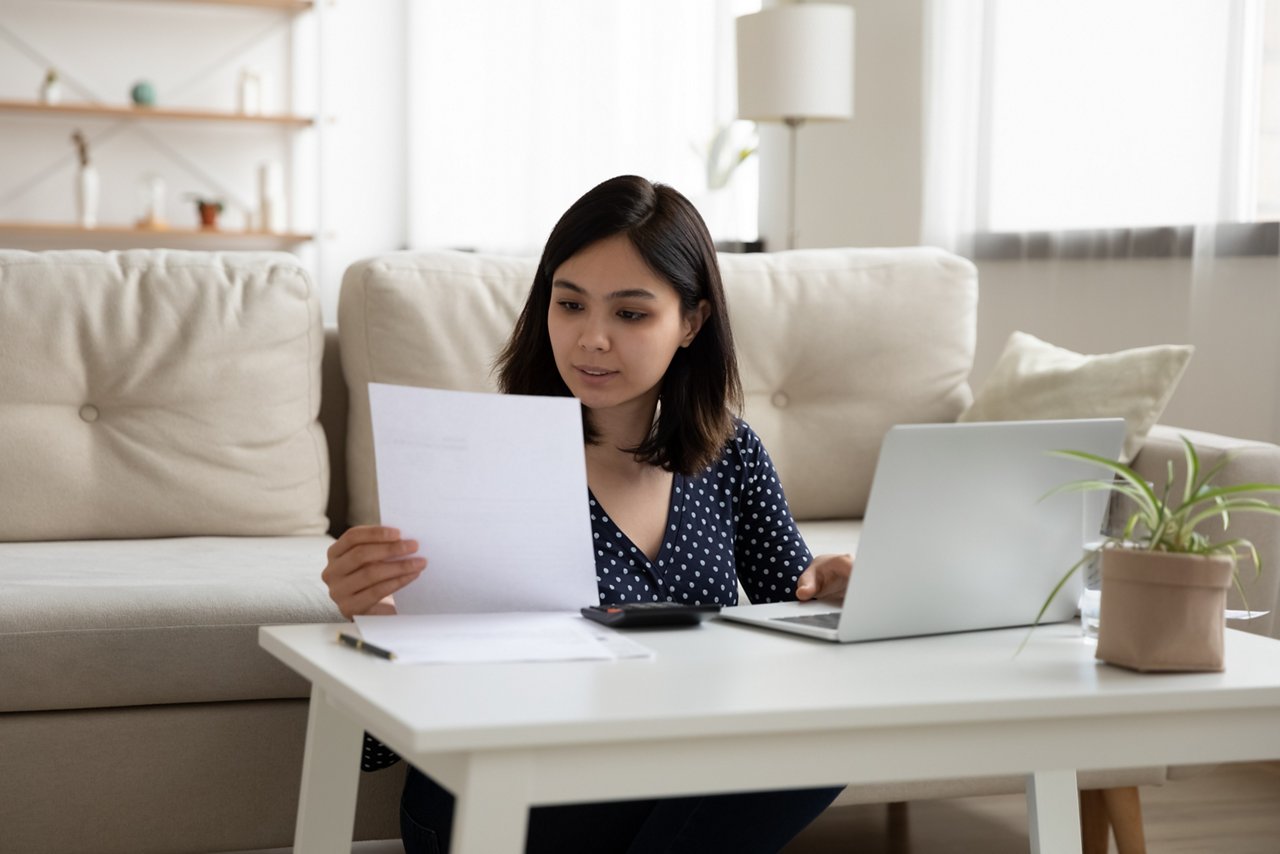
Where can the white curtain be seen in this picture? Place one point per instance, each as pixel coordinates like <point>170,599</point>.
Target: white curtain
<point>1048,116</point>
<point>517,108</point>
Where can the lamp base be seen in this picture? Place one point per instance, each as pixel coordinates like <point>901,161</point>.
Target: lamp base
<point>740,246</point>
<point>793,124</point>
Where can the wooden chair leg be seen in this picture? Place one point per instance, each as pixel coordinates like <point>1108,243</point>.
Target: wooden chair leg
<point>899,840</point>
<point>1095,829</point>
<point>1124,811</point>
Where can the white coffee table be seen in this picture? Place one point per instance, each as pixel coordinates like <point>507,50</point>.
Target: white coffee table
<point>728,708</point>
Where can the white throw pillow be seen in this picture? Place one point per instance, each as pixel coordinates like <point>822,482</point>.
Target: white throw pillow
<point>1033,379</point>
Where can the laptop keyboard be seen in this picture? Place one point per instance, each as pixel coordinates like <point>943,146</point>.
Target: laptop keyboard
<point>829,620</point>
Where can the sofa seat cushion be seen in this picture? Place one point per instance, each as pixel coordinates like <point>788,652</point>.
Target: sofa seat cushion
<point>831,536</point>
<point>158,393</point>
<point>90,624</point>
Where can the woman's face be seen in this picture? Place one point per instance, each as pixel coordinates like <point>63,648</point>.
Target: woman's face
<point>615,325</point>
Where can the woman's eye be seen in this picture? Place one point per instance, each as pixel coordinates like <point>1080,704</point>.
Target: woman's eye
<point>569,305</point>
<point>632,315</point>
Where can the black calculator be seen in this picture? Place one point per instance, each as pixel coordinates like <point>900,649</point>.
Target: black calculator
<point>644,614</point>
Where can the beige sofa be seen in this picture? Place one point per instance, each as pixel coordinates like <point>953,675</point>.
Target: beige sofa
<point>165,487</point>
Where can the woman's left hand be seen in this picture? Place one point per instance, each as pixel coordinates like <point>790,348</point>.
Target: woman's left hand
<point>826,578</point>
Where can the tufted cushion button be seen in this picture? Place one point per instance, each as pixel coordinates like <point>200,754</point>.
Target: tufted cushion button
<point>89,413</point>
<point>780,400</point>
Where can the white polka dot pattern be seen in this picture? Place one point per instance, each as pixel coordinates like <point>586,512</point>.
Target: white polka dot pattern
<point>376,755</point>
<point>729,522</point>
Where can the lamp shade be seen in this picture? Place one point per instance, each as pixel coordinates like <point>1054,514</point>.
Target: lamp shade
<point>796,62</point>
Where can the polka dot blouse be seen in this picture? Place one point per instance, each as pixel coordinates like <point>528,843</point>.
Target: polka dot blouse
<point>728,523</point>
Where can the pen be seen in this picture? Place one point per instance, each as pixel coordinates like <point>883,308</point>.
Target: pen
<point>363,646</point>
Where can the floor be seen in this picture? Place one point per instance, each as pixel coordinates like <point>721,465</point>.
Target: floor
<point>1229,809</point>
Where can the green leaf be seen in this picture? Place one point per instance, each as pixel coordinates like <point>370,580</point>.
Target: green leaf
<point>1124,471</point>
<point>1057,588</point>
<point>1212,472</point>
<point>1234,507</point>
<point>1193,469</point>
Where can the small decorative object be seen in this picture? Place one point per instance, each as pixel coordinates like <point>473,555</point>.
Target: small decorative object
<point>733,143</point>
<point>51,89</point>
<point>151,197</point>
<point>250,101</point>
<point>209,211</point>
<point>143,94</point>
<point>86,184</point>
<point>1164,583</point>
<point>271,213</point>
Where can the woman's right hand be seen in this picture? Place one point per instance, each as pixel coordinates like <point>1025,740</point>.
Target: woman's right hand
<point>366,565</point>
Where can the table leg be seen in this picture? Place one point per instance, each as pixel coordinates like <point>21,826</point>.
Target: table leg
<point>491,811</point>
<point>1053,812</point>
<point>330,778</point>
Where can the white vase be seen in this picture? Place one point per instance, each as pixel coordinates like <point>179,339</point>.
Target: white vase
<point>51,92</point>
<point>250,100</point>
<point>87,197</point>
<point>271,212</point>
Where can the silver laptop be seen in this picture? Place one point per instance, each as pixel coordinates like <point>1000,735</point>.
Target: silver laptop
<point>958,535</point>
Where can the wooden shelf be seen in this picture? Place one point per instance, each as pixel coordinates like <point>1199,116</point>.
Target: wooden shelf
<point>295,6</point>
<point>101,111</point>
<point>120,235</point>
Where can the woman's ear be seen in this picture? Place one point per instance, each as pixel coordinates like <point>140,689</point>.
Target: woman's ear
<point>693,321</point>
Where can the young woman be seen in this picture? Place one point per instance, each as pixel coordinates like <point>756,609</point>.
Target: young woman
<point>627,314</point>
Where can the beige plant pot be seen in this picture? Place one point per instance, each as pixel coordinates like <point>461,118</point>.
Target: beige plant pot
<point>1163,611</point>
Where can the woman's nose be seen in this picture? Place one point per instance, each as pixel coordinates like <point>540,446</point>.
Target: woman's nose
<point>593,337</point>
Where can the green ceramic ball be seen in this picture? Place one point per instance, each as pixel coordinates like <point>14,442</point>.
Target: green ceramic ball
<point>143,94</point>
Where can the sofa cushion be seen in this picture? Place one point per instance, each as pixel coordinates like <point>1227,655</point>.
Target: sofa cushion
<point>1034,379</point>
<point>431,319</point>
<point>835,346</point>
<point>91,624</point>
<point>159,393</point>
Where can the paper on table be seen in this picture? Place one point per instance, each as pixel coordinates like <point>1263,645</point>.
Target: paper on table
<point>1245,615</point>
<point>494,489</point>
<point>471,638</point>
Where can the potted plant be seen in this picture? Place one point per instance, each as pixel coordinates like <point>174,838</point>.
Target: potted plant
<point>209,210</point>
<point>1164,581</point>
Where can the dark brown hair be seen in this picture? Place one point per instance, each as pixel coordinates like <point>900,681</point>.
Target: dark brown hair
<point>701,391</point>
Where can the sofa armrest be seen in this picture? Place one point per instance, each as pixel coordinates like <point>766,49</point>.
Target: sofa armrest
<point>1251,462</point>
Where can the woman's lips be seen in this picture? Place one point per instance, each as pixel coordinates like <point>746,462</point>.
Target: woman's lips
<point>594,375</point>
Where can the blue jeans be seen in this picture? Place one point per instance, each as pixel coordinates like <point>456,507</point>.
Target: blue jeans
<point>743,824</point>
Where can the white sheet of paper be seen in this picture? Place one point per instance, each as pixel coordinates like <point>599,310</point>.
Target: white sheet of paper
<point>1245,615</point>
<point>472,638</point>
<point>494,489</point>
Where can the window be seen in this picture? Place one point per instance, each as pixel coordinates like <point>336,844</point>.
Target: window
<point>517,108</point>
<point>1268,154</point>
<point>1128,113</point>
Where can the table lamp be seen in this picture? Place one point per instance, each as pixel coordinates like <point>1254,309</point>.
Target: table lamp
<point>795,64</point>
